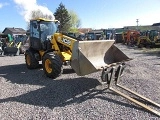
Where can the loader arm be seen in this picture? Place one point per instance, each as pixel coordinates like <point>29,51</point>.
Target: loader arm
<point>63,45</point>
<point>64,40</point>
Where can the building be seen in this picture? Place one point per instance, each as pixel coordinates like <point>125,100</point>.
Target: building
<point>84,30</point>
<point>18,34</point>
<point>156,24</point>
<point>143,28</point>
<point>14,31</point>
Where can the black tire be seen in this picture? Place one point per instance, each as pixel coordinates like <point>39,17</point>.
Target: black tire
<point>153,45</point>
<point>52,65</point>
<point>131,41</point>
<point>140,45</point>
<point>30,60</point>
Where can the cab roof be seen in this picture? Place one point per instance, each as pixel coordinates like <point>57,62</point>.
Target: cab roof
<point>43,19</point>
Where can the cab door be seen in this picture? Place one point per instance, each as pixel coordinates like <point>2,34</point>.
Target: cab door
<point>35,41</point>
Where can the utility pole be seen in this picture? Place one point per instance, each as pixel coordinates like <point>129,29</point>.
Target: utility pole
<point>137,20</point>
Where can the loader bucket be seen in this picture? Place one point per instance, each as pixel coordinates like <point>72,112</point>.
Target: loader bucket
<point>91,56</point>
<point>10,51</point>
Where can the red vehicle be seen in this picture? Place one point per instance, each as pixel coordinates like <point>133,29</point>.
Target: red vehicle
<point>130,37</point>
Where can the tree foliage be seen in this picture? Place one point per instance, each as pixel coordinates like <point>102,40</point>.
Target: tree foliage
<point>63,16</point>
<point>75,21</point>
<point>39,14</point>
<point>69,20</point>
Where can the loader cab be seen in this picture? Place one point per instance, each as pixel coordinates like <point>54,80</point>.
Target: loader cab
<point>94,35</point>
<point>91,36</point>
<point>153,34</point>
<point>41,31</point>
<point>109,33</point>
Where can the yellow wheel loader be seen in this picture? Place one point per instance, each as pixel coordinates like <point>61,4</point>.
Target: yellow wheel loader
<point>85,57</point>
<point>149,38</point>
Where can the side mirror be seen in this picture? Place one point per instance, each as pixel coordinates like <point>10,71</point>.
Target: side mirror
<point>57,22</point>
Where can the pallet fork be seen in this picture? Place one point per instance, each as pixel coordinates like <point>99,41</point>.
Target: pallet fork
<point>111,76</point>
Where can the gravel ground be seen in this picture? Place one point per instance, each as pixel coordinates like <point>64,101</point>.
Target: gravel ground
<point>30,95</point>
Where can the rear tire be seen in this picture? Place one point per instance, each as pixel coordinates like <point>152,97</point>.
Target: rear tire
<point>140,45</point>
<point>52,65</point>
<point>152,45</point>
<point>30,59</point>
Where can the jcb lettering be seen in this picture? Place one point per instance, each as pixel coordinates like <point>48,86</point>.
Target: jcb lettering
<point>68,42</point>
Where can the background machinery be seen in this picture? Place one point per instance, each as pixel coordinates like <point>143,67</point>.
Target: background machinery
<point>1,48</point>
<point>77,35</point>
<point>130,37</point>
<point>8,46</point>
<point>85,57</point>
<point>94,35</point>
<point>149,38</point>
<point>20,41</point>
<point>109,34</point>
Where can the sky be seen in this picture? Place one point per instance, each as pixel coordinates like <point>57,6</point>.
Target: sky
<point>94,14</point>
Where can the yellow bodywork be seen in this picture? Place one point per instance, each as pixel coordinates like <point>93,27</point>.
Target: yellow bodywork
<point>85,56</point>
<point>63,40</point>
<point>17,45</point>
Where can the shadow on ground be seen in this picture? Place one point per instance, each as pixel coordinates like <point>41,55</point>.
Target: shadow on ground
<point>149,53</point>
<point>55,93</point>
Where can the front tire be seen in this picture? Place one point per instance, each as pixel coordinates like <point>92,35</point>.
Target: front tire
<point>52,65</point>
<point>30,59</point>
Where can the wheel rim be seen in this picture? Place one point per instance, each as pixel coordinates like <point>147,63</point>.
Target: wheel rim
<point>28,60</point>
<point>48,66</point>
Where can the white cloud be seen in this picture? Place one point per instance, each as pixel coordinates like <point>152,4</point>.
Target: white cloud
<point>3,4</point>
<point>25,8</point>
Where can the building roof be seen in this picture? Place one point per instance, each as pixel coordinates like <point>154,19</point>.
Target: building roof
<point>96,31</point>
<point>84,30</point>
<point>142,28</point>
<point>15,30</point>
<point>156,24</point>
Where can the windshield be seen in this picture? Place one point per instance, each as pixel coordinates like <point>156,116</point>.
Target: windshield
<point>48,27</point>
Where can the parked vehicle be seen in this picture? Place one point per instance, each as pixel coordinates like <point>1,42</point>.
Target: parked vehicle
<point>149,38</point>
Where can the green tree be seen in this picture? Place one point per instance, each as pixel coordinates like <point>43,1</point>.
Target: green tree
<point>63,16</point>
<point>75,21</point>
